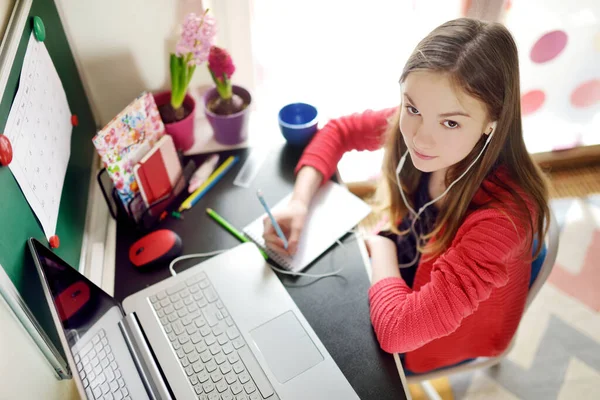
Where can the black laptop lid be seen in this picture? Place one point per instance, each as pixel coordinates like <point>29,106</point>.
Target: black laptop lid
<point>79,304</point>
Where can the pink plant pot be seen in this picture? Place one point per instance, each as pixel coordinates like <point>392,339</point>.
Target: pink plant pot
<point>181,131</point>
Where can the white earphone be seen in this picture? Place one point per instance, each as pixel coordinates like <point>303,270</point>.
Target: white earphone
<point>494,124</point>
<point>418,214</point>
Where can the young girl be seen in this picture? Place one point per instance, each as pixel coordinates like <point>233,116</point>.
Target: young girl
<point>467,197</point>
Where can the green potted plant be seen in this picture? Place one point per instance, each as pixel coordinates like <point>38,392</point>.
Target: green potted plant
<point>226,105</point>
<point>176,107</point>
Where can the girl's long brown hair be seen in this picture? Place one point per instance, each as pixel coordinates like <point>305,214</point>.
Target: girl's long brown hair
<point>481,59</point>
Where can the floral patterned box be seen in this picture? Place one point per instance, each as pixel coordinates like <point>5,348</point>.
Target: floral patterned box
<point>125,140</point>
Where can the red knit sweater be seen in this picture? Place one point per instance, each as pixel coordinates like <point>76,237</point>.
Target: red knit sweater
<point>465,303</point>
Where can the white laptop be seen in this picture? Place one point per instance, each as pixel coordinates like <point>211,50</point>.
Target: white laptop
<point>224,329</point>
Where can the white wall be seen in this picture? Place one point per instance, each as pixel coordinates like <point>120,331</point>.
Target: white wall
<point>122,47</point>
<point>6,7</point>
<point>24,372</point>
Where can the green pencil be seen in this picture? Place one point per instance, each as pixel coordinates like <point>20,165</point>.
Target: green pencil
<point>230,228</point>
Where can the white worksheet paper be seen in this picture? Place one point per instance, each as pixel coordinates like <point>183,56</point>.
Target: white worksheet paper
<point>39,129</point>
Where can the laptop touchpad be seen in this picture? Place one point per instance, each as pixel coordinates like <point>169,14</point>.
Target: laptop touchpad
<point>288,349</point>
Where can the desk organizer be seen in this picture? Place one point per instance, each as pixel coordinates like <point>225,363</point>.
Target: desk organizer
<point>149,215</point>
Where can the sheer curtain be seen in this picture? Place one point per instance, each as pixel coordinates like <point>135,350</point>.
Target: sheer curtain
<point>342,56</point>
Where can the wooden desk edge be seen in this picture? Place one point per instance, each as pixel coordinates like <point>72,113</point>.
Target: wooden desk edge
<point>574,157</point>
<point>578,156</point>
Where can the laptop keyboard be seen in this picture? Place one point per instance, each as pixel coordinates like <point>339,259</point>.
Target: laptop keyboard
<point>211,350</point>
<point>99,371</point>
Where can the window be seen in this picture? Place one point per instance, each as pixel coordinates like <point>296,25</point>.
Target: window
<point>342,56</point>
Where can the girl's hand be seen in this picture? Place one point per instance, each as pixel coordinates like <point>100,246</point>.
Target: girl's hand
<point>379,245</point>
<point>291,219</point>
<point>384,258</point>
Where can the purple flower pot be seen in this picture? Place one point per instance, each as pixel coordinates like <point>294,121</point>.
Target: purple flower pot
<point>229,129</point>
<point>181,131</point>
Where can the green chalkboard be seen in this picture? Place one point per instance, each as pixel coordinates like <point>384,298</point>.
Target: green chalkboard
<point>17,220</point>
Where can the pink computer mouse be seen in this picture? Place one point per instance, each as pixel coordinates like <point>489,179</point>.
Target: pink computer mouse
<point>158,247</point>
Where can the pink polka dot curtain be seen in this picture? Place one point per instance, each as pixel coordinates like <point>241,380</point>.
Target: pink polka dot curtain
<point>559,50</point>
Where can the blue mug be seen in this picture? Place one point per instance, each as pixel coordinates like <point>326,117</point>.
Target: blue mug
<point>298,123</point>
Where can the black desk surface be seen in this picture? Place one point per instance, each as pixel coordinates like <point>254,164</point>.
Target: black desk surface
<point>336,307</point>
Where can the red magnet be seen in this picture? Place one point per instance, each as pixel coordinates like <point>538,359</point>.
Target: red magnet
<point>54,242</point>
<point>74,120</point>
<point>163,215</point>
<point>6,153</point>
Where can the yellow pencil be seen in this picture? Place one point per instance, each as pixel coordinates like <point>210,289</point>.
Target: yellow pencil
<point>208,184</point>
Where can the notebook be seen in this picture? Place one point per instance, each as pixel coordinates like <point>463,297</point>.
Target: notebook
<point>124,141</point>
<point>158,171</point>
<point>332,213</point>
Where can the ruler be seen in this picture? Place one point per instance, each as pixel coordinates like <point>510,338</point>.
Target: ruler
<point>251,167</point>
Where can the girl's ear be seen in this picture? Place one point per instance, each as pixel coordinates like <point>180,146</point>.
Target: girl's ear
<point>491,128</point>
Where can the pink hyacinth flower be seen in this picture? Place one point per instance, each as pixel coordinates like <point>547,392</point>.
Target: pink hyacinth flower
<point>197,38</point>
<point>220,63</point>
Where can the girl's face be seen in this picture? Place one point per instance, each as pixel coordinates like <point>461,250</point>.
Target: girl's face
<point>440,125</point>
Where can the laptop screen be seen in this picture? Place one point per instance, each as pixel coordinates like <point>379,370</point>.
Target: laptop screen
<point>79,303</point>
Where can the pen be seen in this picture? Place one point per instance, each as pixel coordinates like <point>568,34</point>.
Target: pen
<point>273,221</point>
<point>203,172</point>
<point>231,229</point>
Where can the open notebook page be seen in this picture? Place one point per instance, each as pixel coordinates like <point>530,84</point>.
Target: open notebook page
<point>333,212</point>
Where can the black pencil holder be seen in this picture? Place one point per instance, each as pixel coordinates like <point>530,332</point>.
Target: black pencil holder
<point>150,215</point>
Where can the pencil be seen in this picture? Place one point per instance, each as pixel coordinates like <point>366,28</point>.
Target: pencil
<point>208,184</point>
<point>272,218</point>
<point>231,229</point>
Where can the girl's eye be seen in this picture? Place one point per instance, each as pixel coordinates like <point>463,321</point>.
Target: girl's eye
<point>451,124</point>
<point>412,110</point>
